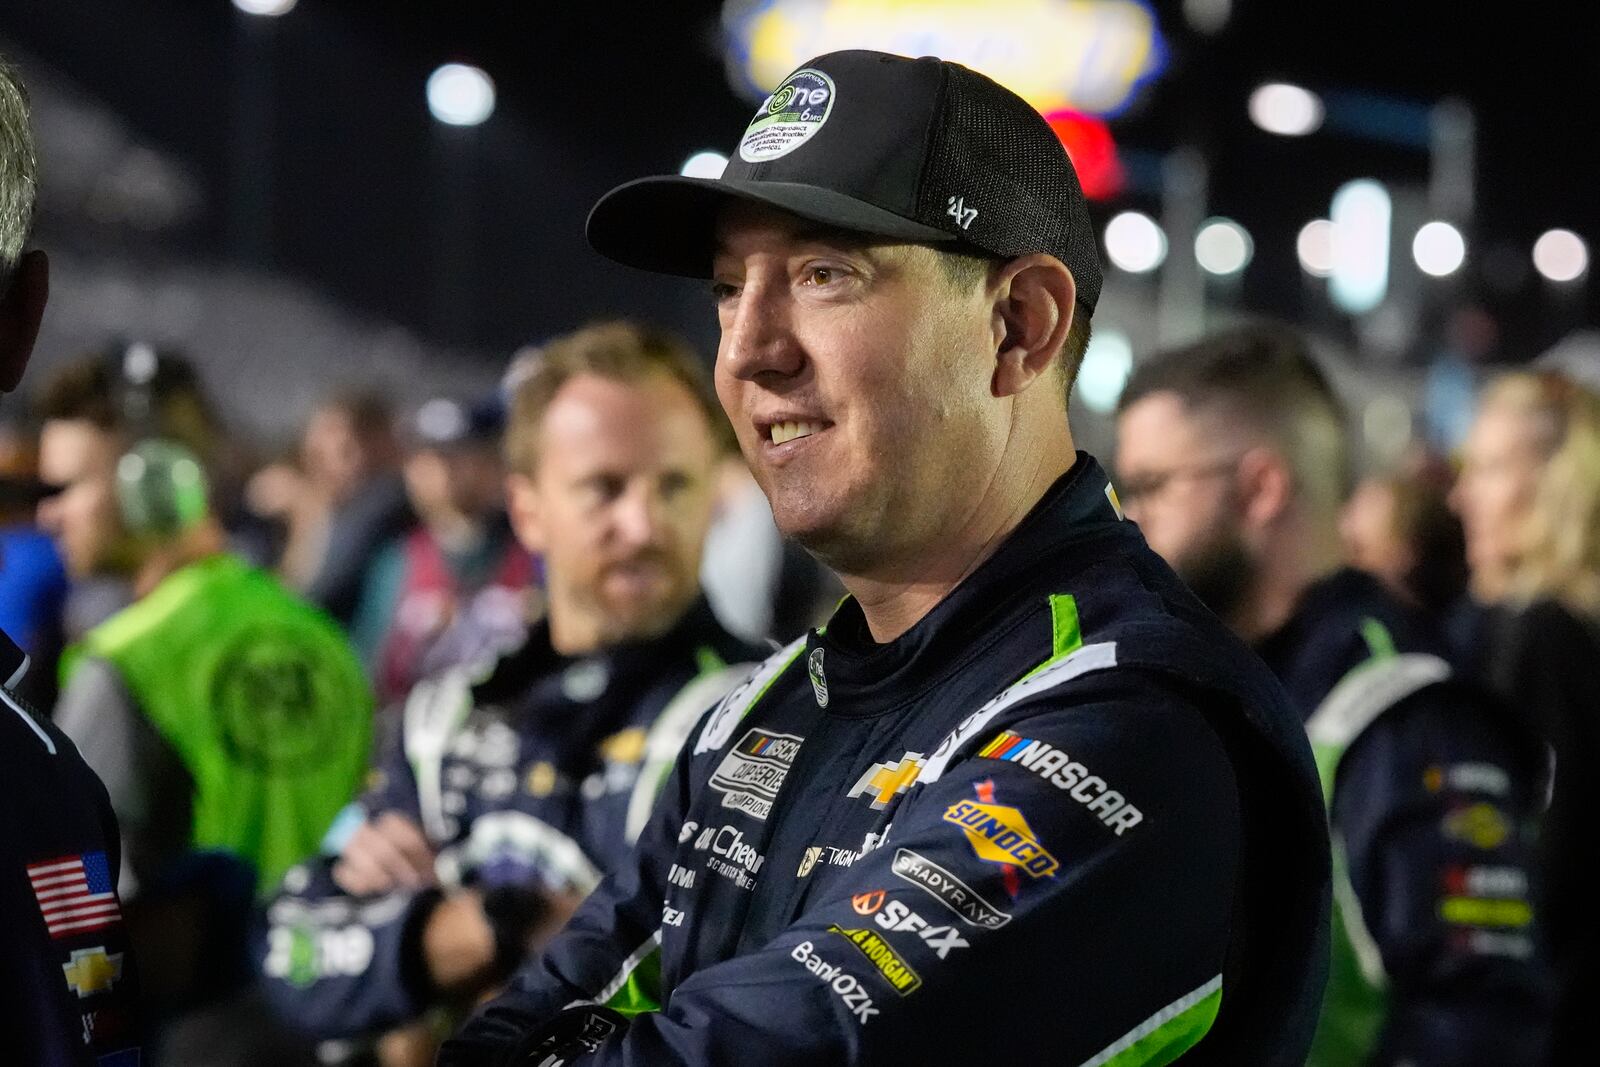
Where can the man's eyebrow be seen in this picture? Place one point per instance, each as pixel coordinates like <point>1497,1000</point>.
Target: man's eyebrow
<point>844,240</point>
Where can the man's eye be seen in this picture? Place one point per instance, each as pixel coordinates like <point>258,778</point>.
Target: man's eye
<point>821,275</point>
<point>721,291</point>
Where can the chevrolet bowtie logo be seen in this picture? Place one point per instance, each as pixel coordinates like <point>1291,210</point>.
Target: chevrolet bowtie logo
<point>92,971</point>
<point>885,781</point>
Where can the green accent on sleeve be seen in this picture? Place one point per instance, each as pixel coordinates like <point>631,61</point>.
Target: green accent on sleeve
<point>707,660</point>
<point>1066,636</point>
<point>641,993</point>
<point>1379,641</point>
<point>1158,1040</point>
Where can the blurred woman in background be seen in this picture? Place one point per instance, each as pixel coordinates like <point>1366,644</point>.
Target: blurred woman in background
<point>1529,501</point>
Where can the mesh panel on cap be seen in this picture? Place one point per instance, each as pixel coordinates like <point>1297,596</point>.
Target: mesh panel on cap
<point>999,156</point>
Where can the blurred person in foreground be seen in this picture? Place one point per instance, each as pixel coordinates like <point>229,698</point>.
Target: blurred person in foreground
<point>1529,498</point>
<point>514,785</point>
<point>68,984</point>
<point>1233,459</point>
<point>33,582</point>
<point>1400,529</point>
<point>457,588</point>
<point>1022,797</point>
<point>350,458</point>
<point>228,718</point>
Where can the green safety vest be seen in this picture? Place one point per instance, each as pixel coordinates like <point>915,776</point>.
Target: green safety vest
<point>260,695</point>
<point>1355,1001</point>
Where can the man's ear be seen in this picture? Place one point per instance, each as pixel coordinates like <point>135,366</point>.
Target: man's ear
<point>1034,298</point>
<point>21,309</point>
<point>1266,486</point>
<point>523,509</point>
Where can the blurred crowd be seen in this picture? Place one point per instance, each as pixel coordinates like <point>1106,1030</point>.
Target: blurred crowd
<point>377,706</point>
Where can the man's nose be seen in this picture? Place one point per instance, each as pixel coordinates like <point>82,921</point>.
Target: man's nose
<point>636,516</point>
<point>759,339</point>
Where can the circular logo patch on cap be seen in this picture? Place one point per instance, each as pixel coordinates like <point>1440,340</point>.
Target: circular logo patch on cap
<point>789,118</point>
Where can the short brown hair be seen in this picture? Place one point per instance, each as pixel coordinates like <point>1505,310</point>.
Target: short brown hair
<point>619,351</point>
<point>966,269</point>
<point>92,389</point>
<point>1263,376</point>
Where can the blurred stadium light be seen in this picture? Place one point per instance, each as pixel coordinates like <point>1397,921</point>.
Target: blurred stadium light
<point>1223,247</point>
<point>1106,364</point>
<point>266,8</point>
<point>1286,110</point>
<point>1086,55</point>
<point>1314,246</point>
<point>1360,216</point>
<point>1135,243</point>
<point>460,95</point>
<point>1439,249</point>
<point>707,164</point>
<point>1560,255</point>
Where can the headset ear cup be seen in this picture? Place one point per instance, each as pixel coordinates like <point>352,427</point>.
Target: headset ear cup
<point>161,489</point>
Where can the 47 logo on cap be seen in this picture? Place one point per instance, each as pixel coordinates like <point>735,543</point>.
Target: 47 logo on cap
<point>788,118</point>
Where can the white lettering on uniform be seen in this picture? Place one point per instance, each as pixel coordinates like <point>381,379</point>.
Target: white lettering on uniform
<point>845,986</point>
<point>942,939</point>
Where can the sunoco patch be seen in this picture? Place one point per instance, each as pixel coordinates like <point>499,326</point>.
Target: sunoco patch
<point>788,118</point>
<point>751,774</point>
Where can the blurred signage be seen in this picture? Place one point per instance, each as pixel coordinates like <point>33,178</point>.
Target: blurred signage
<point>1093,152</point>
<point>1083,55</point>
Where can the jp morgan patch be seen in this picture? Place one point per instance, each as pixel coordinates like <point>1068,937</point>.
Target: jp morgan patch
<point>751,774</point>
<point>788,118</point>
<point>948,890</point>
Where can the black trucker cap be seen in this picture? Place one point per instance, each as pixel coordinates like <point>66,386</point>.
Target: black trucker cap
<point>916,149</point>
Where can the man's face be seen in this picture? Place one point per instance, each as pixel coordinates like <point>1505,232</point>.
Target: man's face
<point>81,458</point>
<point>1177,481</point>
<point>620,503</point>
<point>857,377</point>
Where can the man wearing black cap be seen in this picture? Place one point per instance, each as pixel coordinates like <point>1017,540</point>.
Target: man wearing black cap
<point>1022,797</point>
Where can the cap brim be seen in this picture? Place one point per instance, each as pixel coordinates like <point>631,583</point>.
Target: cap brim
<point>668,224</point>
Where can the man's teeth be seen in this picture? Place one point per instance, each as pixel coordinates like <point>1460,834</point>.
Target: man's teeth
<point>784,432</point>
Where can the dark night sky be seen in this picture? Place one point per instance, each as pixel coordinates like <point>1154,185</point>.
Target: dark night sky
<point>476,236</point>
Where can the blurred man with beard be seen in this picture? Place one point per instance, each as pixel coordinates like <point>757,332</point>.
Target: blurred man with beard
<point>514,785</point>
<point>1232,458</point>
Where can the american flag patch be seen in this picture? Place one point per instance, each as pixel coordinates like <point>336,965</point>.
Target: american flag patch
<point>75,893</point>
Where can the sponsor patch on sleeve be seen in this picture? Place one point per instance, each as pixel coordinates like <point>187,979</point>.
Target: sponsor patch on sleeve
<point>1075,779</point>
<point>878,952</point>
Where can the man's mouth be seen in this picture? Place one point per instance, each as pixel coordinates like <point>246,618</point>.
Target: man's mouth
<point>781,433</point>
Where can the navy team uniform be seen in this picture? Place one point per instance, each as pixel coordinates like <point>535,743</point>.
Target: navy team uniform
<point>532,777</point>
<point>1433,798</point>
<point>68,988</point>
<point>1066,818</point>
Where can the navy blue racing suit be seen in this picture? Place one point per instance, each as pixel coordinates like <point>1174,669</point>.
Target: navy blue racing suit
<point>1434,794</point>
<point>1065,818</point>
<point>531,777</point>
<point>68,985</point>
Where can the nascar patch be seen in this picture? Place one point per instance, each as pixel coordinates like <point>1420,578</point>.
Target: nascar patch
<point>753,771</point>
<point>1066,774</point>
